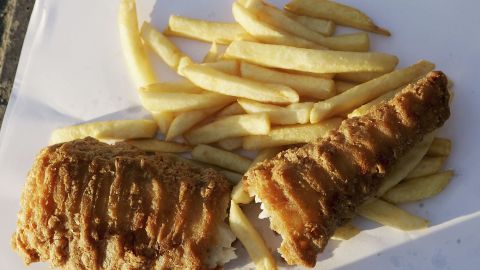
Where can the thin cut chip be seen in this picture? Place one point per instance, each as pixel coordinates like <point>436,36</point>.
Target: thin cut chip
<point>161,45</point>
<point>345,232</point>
<point>163,120</point>
<point>296,113</point>
<point>231,67</point>
<point>366,107</point>
<point>427,166</point>
<point>221,158</point>
<point>341,86</point>
<point>230,143</point>
<point>187,120</point>
<point>159,146</point>
<point>324,27</point>
<point>212,54</point>
<point>358,77</point>
<point>184,87</point>
<point>232,109</point>
<point>440,147</point>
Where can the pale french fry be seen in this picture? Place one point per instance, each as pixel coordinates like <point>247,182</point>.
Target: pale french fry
<point>388,214</point>
<point>245,36</point>
<point>427,166</point>
<point>228,127</point>
<point>179,102</point>
<point>308,86</point>
<point>159,146</point>
<point>366,107</point>
<point>230,143</point>
<point>297,113</point>
<point>365,92</point>
<point>318,75</point>
<point>212,54</point>
<point>287,135</point>
<point>324,27</point>
<point>233,177</point>
<point>251,239</point>
<point>221,158</point>
<point>239,195</point>
<point>308,60</point>
<point>161,45</point>
<point>163,120</point>
<point>184,87</point>
<point>345,232</point>
<point>353,42</point>
<point>232,109</point>
<point>231,67</point>
<point>223,83</point>
<point>440,147</point>
<point>341,86</point>
<point>220,32</point>
<point>405,164</point>
<point>184,62</point>
<point>359,77</point>
<point>340,14</point>
<point>110,130</point>
<point>267,33</point>
<point>419,188</point>
<point>186,120</point>
<point>135,55</point>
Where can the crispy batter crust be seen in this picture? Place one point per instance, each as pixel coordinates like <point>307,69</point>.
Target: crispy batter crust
<point>89,205</point>
<point>312,190</point>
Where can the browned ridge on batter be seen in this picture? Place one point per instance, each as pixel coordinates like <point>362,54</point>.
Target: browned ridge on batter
<point>90,205</point>
<point>310,191</point>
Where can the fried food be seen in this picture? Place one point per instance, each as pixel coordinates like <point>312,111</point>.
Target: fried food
<point>310,191</point>
<point>90,205</point>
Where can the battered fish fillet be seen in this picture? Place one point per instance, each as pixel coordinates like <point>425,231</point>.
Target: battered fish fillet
<point>310,191</point>
<point>90,205</point>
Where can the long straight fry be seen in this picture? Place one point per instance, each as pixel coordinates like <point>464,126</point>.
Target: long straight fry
<point>220,158</point>
<point>161,45</point>
<point>324,27</point>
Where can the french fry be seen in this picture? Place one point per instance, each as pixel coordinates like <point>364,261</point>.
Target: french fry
<point>365,92</point>
<point>219,32</point>
<point>223,83</point>
<point>419,188</point>
<point>232,109</point>
<point>212,54</point>
<point>230,143</point>
<point>221,158</point>
<point>341,86</point>
<point>324,27</point>
<point>186,120</point>
<point>163,120</point>
<point>340,14</point>
<point>353,42</point>
<point>359,77</point>
<point>287,135</point>
<point>184,62</point>
<point>135,55</point>
<point>308,60</point>
<point>180,102</point>
<point>405,164</point>
<point>427,166</point>
<point>231,67</point>
<point>161,45</point>
<point>159,146</point>
<point>366,107</point>
<point>228,127</point>
<point>184,87</point>
<point>388,214</point>
<point>298,114</point>
<point>308,86</point>
<point>345,232</point>
<point>266,33</point>
<point>251,239</point>
<point>110,130</point>
<point>233,177</point>
<point>440,147</point>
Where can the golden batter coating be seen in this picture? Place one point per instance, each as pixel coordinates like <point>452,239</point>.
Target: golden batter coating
<point>90,205</point>
<point>310,191</point>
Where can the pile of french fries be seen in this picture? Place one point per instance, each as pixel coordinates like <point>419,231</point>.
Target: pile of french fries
<point>284,79</point>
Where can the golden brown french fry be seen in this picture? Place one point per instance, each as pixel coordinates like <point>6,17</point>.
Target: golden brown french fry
<point>308,86</point>
<point>296,113</point>
<point>419,188</point>
<point>308,60</point>
<point>427,166</point>
<point>341,86</point>
<point>185,87</point>
<point>390,215</point>
<point>366,107</point>
<point>340,14</point>
<point>267,33</point>
<point>440,147</point>
<point>251,239</point>
<point>220,32</point>
<point>221,158</point>
<point>186,120</point>
<point>223,83</point>
<point>365,92</point>
<point>353,42</point>
<point>163,120</point>
<point>212,54</point>
<point>345,232</point>
<point>231,67</point>
<point>159,146</point>
<point>233,177</point>
<point>359,77</point>
<point>228,127</point>
<point>287,135</point>
<point>405,164</point>
<point>135,55</point>
<point>161,45</point>
<point>179,102</point>
<point>230,143</point>
<point>232,109</point>
<point>110,130</point>
<point>324,27</point>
